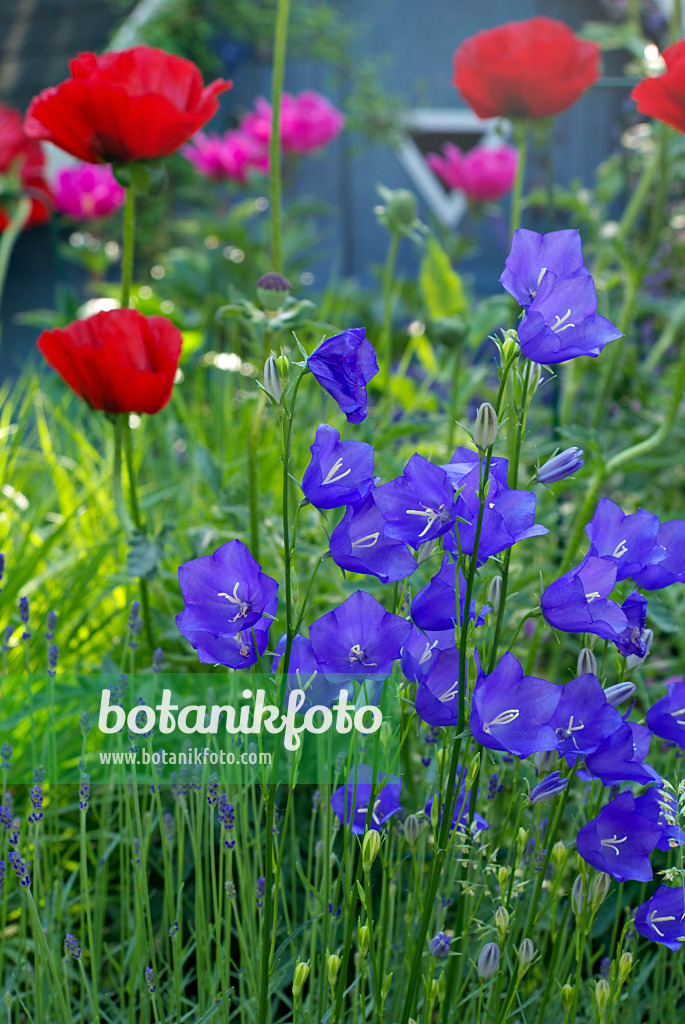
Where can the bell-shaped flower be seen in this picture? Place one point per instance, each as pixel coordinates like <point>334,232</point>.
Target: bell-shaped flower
<point>419,505</point>
<point>552,785</point>
<point>514,712</point>
<point>620,840</point>
<point>435,605</point>
<point>632,641</point>
<point>437,695</point>
<point>630,539</point>
<point>666,717</point>
<point>533,255</point>
<point>584,719</point>
<point>351,801</point>
<point>460,814</point>
<point>621,757</point>
<point>660,806</point>
<point>578,602</point>
<point>343,366</point>
<point>304,674</point>
<point>360,543</point>
<point>562,321</point>
<point>225,593</point>
<point>668,559</point>
<point>662,918</point>
<point>508,517</point>
<point>421,649</point>
<point>235,650</point>
<point>340,472</point>
<point>358,639</point>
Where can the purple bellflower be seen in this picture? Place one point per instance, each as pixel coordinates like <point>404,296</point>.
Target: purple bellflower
<point>513,712</point>
<point>343,366</point>
<point>669,567</point>
<point>420,651</point>
<point>437,696</point>
<point>509,515</point>
<point>340,472</point>
<point>351,802</point>
<point>304,674</point>
<point>460,815</point>
<point>630,539</point>
<point>584,719</point>
<point>435,605</point>
<point>358,639</point>
<point>660,806</point>
<point>578,602</point>
<point>560,466</point>
<point>360,543</point>
<point>562,321</point>
<point>619,840</point>
<point>551,786</point>
<point>419,505</point>
<point>631,641</point>
<point>620,758</point>
<point>666,717</point>
<point>531,257</point>
<point>662,918</point>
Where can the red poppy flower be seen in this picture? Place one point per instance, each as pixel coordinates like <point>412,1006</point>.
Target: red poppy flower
<point>138,104</point>
<point>664,97</point>
<point>118,361</point>
<point>22,162</point>
<point>533,68</point>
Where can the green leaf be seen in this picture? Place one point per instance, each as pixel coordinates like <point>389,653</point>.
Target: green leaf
<point>144,554</point>
<point>441,286</point>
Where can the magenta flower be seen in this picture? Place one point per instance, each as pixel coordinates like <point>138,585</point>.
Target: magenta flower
<point>484,174</point>
<point>85,191</point>
<point>308,122</point>
<point>231,156</point>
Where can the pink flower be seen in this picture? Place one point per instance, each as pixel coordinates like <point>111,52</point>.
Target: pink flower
<point>229,156</point>
<point>484,174</point>
<point>87,190</point>
<point>308,122</point>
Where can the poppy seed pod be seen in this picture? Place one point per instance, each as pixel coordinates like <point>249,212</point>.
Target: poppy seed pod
<point>272,291</point>
<point>488,960</point>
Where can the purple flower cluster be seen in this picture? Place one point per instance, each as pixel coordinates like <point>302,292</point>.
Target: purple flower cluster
<point>226,815</point>
<point>19,868</point>
<point>352,802</point>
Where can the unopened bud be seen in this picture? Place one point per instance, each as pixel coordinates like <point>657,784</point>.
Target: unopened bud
<point>272,291</point>
<point>602,993</point>
<point>400,210</point>
<point>586,662</point>
<point>600,889</point>
<point>300,976</point>
<point>435,813</point>
<point>521,842</point>
<point>488,960</point>
<point>578,896</point>
<point>526,953</point>
<point>503,876</point>
<point>509,346</point>
<point>560,466</point>
<point>495,593</point>
<point>412,828</point>
<point>364,939</point>
<point>487,426</point>
<point>502,922</point>
<point>472,773</point>
<point>633,661</point>
<point>333,967</point>
<point>544,760</point>
<point>550,787</point>
<point>440,756</point>
<point>619,692</point>
<point>370,848</point>
<point>385,987</point>
<point>425,551</point>
<point>625,966</point>
<point>558,854</point>
<point>272,380</point>
<point>283,364</point>
<point>566,997</point>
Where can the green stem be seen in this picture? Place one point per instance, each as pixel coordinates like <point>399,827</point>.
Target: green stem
<point>521,139</point>
<point>278,75</point>
<point>385,341</point>
<point>137,522</point>
<point>9,236</point>
<point>129,242</point>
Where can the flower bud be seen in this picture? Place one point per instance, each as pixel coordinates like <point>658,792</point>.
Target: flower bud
<point>560,466</point>
<point>600,888</point>
<point>370,848</point>
<point>633,661</point>
<point>333,967</point>
<point>364,939</point>
<point>272,291</point>
<point>602,993</point>
<point>566,997</point>
<point>472,773</point>
<point>619,692</point>
<point>283,364</point>
<point>385,987</point>
<point>488,960</point>
<point>558,854</point>
<point>502,922</point>
<point>272,381</point>
<point>526,952</point>
<point>300,976</point>
<point>586,662</point>
<point>578,896</point>
<point>424,552</point>
<point>550,787</point>
<point>625,966</point>
<point>400,210</point>
<point>544,760</point>
<point>487,426</point>
<point>521,842</point>
<point>509,346</point>
<point>440,756</point>
<point>439,945</point>
<point>435,813</point>
<point>412,828</point>
<point>495,593</point>
<point>503,876</point>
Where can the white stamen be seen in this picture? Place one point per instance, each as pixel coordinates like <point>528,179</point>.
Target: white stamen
<point>333,475</point>
<point>612,843</point>
<point>503,718</point>
<point>557,328</point>
<point>620,549</point>
<point>366,542</point>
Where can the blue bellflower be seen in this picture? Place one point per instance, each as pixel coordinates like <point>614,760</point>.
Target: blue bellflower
<point>358,639</point>
<point>533,255</point>
<point>435,605</point>
<point>360,543</point>
<point>304,674</point>
<point>619,841</point>
<point>662,918</point>
<point>561,466</point>
<point>584,719</point>
<point>621,757</point>
<point>343,366</point>
<point>437,695</point>
<point>666,717</point>
<point>351,801</point>
<point>562,321</point>
<point>514,712</point>
<point>420,651</point>
<point>419,505</point>
<point>340,472</point>
<point>669,566</point>
<point>630,539</point>
<point>578,602</point>
<point>460,814</point>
